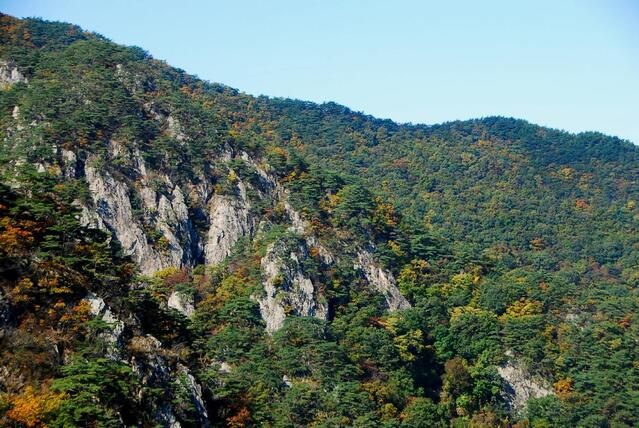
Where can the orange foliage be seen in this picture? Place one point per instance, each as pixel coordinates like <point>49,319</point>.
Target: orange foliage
<point>77,317</point>
<point>537,244</point>
<point>15,237</point>
<point>31,407</point>
<point>314,251</point>
<point>581,204</point>
<point>240,419</point>
<point>57,278</point>
<point>400,163</point>
<point>626,321</point>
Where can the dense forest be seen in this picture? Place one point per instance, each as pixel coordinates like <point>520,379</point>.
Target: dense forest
<point>175,252</point>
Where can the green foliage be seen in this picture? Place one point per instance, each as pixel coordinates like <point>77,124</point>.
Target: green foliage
<point>93,389</point>
<point>423,413</point>
<point>504,236</point>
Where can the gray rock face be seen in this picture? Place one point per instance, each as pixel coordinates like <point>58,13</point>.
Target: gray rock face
<point>9,74</point>
<point>69,163</point>
<point>114,212</point>
<point>229,216</point>
<point>520,386</point>
<point>382,280</point>
<point>113,206</point>
<point>181,303</point>
<point>174,223</point>
<point>230,220</point>
<point>89,218</point>
<point>151,367</point>
<point>154,369</point>
<point>175,129</point>
<point>194,391</point>
<point>162,208</point>
<point>99,309</point>
<point>287,289</point>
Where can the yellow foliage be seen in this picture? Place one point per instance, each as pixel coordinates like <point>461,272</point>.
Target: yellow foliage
<point>329,203</point>
<point>409,344</point>
<point>378,391</point>
<point>458,311</point>
<point>390,323</point>
<point>395,248</point>
<point>21,291</point>
<point>563,387</point>
<point>31,407</point>
<point>467,158</point>
<point>465,279</point>
<point>163,244</point>
<point>566,172</point>
<point>407,275</point>
<point>230,287</point>
<point>167,272</point>
<point>291,176</point>
<point>388,411</point>
<point>385,212</point>
<point>524,307</point>
<point>278,151</point>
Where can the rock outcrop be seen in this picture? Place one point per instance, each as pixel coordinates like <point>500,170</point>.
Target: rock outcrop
<point>151,215</point>
<point>10,74</point>
<point>155,369</point>
<point>113,206</point>
<point>382,280</point>
<point>113,335</point>
<point>168,213</point>
<point>230,219</point>
<point>520,386</point>
<point>133,210</point>
<point>153,365</point>
<point>194,392</point>
<point>287,288</point>
<point>182,303</point>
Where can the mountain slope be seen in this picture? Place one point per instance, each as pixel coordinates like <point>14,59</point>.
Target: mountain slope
<point>229,260</point>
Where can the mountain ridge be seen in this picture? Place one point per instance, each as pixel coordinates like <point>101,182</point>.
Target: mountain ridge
<point>202,257</point>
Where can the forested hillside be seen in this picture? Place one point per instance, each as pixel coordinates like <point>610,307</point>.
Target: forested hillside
<point>174,252</point>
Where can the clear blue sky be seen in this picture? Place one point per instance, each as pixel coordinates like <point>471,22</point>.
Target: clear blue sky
<point>568,64</point>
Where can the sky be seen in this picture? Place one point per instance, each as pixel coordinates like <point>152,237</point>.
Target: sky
<point>567,64</point>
